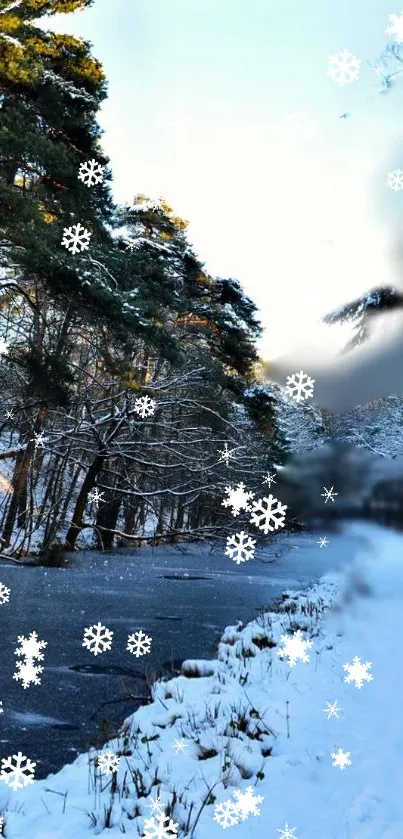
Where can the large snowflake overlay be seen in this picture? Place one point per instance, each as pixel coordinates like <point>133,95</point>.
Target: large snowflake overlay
<point>144,406</point>
<point>358,672</point>
<point>294,648</point>
<point>226,813</point>
<point>139,643</point>
<point>238,499</point>
<point>108,763</point>
<point>341,758</point>
<point>4,593</point>
<point>246,803</point>
<point>268,513</point>
<point>343,67</point>
<point>91,173</point>
<point>240,547</point>
<point>30,647</point>
<point>17,771</point>
<point>396,27</point>
<point>76,238</point>
<point>97,638</point>
<point>159,827</point>
<point>287,832</point>
<point>395,180</point>
<point>300,386</point>
<point>27,672</point>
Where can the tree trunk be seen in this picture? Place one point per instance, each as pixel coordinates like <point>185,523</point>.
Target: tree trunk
<point>106,519</point>
<point>88,484</point>
<point>20,480</point>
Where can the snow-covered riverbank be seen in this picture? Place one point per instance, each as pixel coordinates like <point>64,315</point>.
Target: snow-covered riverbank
<point>252,720</point>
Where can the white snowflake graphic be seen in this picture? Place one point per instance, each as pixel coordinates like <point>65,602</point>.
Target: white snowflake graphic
<point>9,415</point>
<point>108,763</point>
<point>238,499</point>
<point>240,547</point>
<point>332,710</point>
<point>268,513</point>
<point>96,496</point>
<point>130,246</point>
<point>156,804</point>
<point>246,803</point>
<point>226,813</point>
<point>287,832</point>
<point>300,386</point>
<point>139,643</point>
<point>91,173</point>
<point>322,542</point>
<point>302,125</point>
<point>226,453</point>
<point>17,771</point>
<point>180,746</point>
<point>396,27</point>
<point>144,406</point>
<point>4,348</point>
<point>270,479</point>
<point>39,439</point>
<point>328,494</point>
<point>27,672</point>
<point>341,758</point>
<point>395,180</point>
<point>76,238</point>
<point>358,672</point>
<point>159,827</point>
<point>30,647</point>
<point>97,638</point>
<point>343,67</point>
<point>294,648</point>
<point>4,593</point>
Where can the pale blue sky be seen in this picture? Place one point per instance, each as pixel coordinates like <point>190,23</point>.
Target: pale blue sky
<point>199,93</point>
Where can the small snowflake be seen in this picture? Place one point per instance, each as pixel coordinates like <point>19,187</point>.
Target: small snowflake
<point>180,746</point>
<point>76,238</point>
<point>238,499</point>
<point>287,832</point>
<point>294,648</point>
<point>322,541</point>
<point>156,805</point>
<point>396,27</point>
<point>332,709</point>
<point>159,827</point>
<point>246,803</point>
<point>4,593</point>
<point>130,246</point>
<point>17,771</point>
<point>144,406</point>
<point>343,67</point>
<point>301,384</point>
<point>97,638</point>
<point>4,348</point>
<point>240,547</point>
<point>28,673</point>
<point>30,647</point>
<point>303,127</point>
<point>139,643</point>
<point>108,763</point>
<point>341,759</point>
<point>395,180</point>
<point>226,813</point>
<point>328,494</point>
<point>9,415</point>
<point>96,496</point>
<point>226,453</point>
<point>268,513</point>
<point>91,172</point>
<point>39,439</point>
<point>270,479</point>
<point>358,672</point>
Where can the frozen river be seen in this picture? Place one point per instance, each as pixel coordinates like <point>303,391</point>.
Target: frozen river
<point>183,601</point>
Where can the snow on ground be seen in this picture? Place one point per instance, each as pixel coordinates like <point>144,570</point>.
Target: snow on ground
<point>249,719</point>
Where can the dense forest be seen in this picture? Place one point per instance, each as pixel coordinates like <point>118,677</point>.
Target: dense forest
<point>127,371</point>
